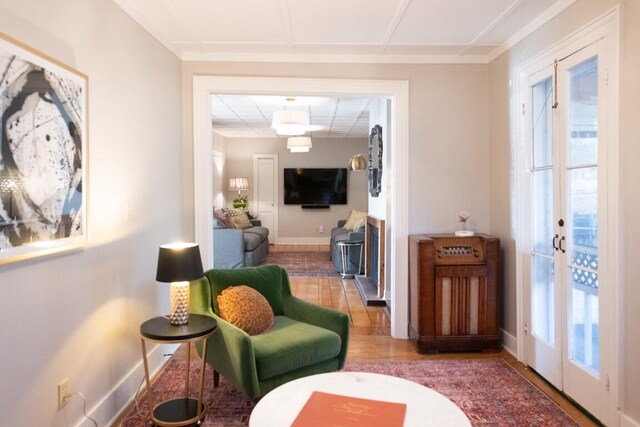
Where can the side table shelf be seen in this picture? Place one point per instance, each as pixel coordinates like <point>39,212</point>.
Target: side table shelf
<point>181,411</point>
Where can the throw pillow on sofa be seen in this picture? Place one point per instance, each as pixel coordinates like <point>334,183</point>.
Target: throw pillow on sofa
<point>240,219</point>
<point>245,308</point>
<point>355,220</point>
<point>223,216</point>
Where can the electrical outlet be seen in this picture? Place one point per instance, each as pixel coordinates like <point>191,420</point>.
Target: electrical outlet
<point>321,229</point>
<point>63,393</point>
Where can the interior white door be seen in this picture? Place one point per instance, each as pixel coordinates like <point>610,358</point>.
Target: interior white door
<point>265,194</point>
<point>566,331</point>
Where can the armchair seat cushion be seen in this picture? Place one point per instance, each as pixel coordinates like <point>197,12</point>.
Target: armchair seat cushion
<point>290,345</point>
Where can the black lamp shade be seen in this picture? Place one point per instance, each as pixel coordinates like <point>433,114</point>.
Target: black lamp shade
<point>179,263</point>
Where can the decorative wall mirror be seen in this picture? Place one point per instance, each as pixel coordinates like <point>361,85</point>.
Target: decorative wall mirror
<point>375,161</point>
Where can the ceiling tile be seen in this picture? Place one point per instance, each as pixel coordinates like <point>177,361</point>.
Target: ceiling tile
<point>231,21</point>
<point>340,21</point>
<point>446,21</point>
<point>519,17</point>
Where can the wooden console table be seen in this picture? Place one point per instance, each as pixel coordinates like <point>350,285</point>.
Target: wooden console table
<point>454,292</point>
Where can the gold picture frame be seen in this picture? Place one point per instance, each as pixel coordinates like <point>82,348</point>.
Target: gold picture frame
<point>43,154</point>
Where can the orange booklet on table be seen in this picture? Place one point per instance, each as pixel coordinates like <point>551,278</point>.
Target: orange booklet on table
<point>326,409</point>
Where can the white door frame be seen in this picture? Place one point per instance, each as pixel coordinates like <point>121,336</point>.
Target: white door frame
<point>606,26</point>
<point>396,90</point>
<point>276,193</point>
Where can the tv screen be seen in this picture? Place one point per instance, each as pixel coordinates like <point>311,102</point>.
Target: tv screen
<point>315,186</point>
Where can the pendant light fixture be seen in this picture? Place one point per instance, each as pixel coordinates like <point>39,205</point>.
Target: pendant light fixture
<point>299,144</point>
<point>292,122</point>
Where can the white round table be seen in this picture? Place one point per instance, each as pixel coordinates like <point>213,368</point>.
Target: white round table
<point>425,407</point>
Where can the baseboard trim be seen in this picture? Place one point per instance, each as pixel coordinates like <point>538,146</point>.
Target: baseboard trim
<point>509,342</point>
<point>625,421</point>
<point>303,240</point>
<point>123,393</point>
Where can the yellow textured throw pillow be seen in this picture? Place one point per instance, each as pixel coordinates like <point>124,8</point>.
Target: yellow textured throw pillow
<point>240,219</point>
<point>355,220</point>
<point>245,308</point>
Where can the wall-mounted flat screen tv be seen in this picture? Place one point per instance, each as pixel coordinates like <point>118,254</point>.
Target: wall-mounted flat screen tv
<point>315,186</point>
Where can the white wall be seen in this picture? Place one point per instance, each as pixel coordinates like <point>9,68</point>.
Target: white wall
<point>297,225</point>
<point>501,95</point>
<point>77,315</point>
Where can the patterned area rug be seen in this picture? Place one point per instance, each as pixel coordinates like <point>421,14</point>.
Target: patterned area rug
<point>307,264</point>
<point>489,391</point>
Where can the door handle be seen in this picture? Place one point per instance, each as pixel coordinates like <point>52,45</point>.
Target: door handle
<point>555,244</point>
<point>560,245</point>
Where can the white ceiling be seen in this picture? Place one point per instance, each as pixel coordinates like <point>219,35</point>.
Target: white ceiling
<point>238,116</point>
<point>379,31</point>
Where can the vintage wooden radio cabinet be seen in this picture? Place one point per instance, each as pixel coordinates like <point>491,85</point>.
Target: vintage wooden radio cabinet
<point>454,292</point>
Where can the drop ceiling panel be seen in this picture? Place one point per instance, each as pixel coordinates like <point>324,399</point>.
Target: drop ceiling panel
<point>236,21</point>
<point>340,21</point>
<point>337,49</point>
<point>519,17</point>
<point>447,21</point>
<point>235,116</point>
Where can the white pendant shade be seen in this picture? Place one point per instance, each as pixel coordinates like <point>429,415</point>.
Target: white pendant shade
<point>299,144</point>
<point>290,122</point>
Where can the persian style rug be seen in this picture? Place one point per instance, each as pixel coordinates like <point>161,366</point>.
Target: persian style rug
<point>489,391</point>
<point>303,264</point>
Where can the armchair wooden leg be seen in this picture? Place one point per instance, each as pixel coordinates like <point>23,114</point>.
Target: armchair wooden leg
<point>216,378</point>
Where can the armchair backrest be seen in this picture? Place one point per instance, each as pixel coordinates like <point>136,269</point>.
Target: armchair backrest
<point>271,281</point>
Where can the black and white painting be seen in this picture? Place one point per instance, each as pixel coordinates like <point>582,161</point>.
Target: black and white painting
<point>42,154</point>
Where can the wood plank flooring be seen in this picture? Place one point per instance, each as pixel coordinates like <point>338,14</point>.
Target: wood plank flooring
<point>370,330</point>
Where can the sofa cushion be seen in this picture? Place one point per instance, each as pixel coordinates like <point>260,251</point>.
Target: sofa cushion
<point>240,219</point>
<point>290,345</point>
<point>223,217</point>
<point>245,308</point>
<point>263,232</point>
<point>251,241</point>
<point>355,220</point>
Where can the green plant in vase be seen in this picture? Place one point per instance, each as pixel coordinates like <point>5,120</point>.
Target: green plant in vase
<point>241,202</point>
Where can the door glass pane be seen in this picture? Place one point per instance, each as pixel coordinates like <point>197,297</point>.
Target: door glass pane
<point>543,301</point>
<point>584,317</point>
<point>583,113</point>
<point>542,123</point>
<point>543,212</point>
<point>583,199</point>
<point>584,341</point>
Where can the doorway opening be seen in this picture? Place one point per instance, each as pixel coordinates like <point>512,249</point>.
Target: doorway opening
<point>396,91</point>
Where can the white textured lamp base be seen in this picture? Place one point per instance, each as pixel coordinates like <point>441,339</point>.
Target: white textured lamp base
<point>464,233</point>
<point>179,309</point>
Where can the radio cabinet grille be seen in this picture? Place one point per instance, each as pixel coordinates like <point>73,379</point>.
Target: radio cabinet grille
<point>454,293</point>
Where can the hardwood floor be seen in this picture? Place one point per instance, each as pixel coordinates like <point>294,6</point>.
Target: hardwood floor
<point>370,331</point>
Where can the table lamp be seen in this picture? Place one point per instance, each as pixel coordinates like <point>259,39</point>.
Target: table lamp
<point>178,264</point>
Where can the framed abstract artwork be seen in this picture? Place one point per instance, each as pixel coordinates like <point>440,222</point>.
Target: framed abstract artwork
<point>43,154</point>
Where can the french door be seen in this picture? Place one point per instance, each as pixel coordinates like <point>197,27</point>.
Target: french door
<point>565,263</point>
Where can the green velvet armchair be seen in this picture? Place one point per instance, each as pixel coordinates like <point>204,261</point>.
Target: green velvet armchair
<point>306,339</point>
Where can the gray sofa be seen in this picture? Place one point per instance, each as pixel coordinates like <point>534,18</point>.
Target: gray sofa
<point>340,233</point>
<point>234,248</point>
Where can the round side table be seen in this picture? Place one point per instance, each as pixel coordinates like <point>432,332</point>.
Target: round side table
<point>185,410</point>
<point>345,249</point>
